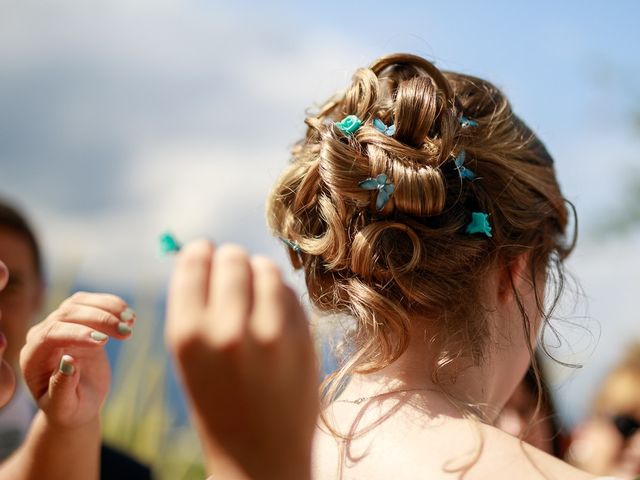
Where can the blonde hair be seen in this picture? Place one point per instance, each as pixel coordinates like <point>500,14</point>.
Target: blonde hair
<point>413,261</point>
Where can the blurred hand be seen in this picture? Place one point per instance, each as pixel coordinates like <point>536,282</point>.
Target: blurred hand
<point>243,349</point>
<point>64,363</point>
<point>7,377</point>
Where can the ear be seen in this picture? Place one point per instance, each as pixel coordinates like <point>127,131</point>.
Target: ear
<point>513,274</point>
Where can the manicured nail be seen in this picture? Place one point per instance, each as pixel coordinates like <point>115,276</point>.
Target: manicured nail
<point>124,329</point>
<point>98,336</point>
<point>66,367</point>
<point>128,315</point>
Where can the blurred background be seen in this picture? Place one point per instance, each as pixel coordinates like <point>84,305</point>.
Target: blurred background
<point>120,120</point>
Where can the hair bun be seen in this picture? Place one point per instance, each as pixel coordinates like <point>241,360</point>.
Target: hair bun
<point>419,188</point>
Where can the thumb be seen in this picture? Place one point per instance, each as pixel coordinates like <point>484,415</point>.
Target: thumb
<point>62,387</point>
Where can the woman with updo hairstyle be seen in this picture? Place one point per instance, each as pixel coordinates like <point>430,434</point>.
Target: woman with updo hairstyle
<point>422,209</point>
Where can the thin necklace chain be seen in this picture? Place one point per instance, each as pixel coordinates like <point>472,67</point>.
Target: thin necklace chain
<point>359,400</point>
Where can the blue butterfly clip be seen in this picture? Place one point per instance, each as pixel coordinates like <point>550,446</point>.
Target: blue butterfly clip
<point>384,188</point>
<point>467,122</point>
<point>479,224</point>
<point>292,245</point>
<point>381,127</point>
<point>169,244</point>
<point>464,172</point>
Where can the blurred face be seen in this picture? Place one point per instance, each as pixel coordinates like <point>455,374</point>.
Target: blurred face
<point>609,442</point>
<point>21,298</point>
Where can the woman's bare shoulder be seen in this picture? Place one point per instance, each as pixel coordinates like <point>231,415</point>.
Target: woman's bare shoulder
<point>439,451</point>
<point>508,454</point>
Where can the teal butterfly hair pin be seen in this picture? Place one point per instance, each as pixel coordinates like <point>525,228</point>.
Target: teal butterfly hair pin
<point>479,224</point>
<point>169,244</point>
<point>467,122</point>
<point>385,189</point>
<point>381,127</point>
<point>464,172</point>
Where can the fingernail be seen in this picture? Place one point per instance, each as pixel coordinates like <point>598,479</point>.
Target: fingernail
<point>124,329</point>
<point>128,315</point>
<point>66,367</point>
<point>3,341</point>
<point>98,336</point>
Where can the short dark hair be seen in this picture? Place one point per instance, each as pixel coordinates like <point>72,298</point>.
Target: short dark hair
<point>12,219</point>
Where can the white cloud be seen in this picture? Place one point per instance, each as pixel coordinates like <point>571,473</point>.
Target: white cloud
<point>126,118</point>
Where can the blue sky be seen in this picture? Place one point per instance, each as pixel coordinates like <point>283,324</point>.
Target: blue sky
<point>120,119</point>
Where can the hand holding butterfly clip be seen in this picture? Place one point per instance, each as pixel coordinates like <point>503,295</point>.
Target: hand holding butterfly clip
<point>245,356</point>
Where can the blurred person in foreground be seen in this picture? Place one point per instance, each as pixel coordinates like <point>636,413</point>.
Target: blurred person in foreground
<point>52,449</point>
<point>21,304</point>
<point>607,442</point>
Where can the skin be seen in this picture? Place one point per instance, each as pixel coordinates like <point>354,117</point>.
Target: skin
<point>423,430</point>
<point>21,300</point>
<point>245,356</point>
<point>7,377</point>
<point>244,353</point>
<point>225,331</point>
<point>64,439</point>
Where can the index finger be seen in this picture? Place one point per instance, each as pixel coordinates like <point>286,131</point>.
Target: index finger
<point>188,291</point>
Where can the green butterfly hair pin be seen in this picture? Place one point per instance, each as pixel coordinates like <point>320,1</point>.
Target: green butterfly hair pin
<point>479,224</point>
<point>464,172</point>
<point>381,127</point>
<point>169,244</point>
<point>467,122</point>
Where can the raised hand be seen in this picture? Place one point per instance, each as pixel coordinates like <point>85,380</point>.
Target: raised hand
<point>243,349</point>
<point>64,363</point>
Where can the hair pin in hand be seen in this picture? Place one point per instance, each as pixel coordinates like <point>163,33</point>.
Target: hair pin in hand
<point>464,172</point>
<point>385,189</point>
<point>381,127</point>
<point>169,244</point>
<point>349,124</point>
<point>479,224</point>
<point>467,122</point>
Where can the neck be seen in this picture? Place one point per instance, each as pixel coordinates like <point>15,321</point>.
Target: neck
<point>462,387</point>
